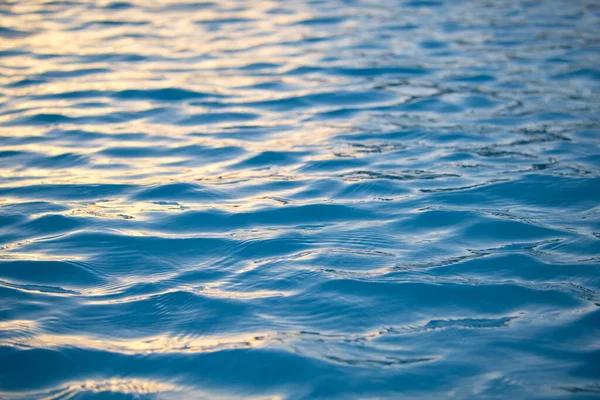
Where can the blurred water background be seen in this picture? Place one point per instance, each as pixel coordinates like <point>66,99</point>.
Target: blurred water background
<point>299,199</point>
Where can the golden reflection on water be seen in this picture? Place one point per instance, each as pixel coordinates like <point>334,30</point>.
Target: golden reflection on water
<point>162,344</point>
<point>128,386</point>
<point>18,325</point>
<point>125,386</point>
<point>191,49</point>
<point>132,386</point>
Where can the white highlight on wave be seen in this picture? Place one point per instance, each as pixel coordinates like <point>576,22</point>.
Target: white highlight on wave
<point>134,386</point>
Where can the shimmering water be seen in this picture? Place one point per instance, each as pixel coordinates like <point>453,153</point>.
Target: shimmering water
<point>299,199</point>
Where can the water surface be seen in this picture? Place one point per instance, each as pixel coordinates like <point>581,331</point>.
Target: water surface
<point>299,199</point>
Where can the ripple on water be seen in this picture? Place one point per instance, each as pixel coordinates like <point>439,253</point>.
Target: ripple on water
<point>299,200</point>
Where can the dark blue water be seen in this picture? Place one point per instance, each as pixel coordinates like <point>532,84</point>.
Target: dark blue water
<point>279,199</point>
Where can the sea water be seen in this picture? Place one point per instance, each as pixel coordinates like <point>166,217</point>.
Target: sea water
<point>309,199</point>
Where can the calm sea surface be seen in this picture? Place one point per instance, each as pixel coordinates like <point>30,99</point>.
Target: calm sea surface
<point>335,199</point>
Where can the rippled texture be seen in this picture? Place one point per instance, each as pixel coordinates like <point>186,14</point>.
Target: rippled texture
<point>299,199</point>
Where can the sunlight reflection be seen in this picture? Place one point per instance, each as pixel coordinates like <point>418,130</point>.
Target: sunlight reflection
<point>150,345</point>
<point>128,386</point>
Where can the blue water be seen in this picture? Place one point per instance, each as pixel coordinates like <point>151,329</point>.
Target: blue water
<point>335,199</point>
